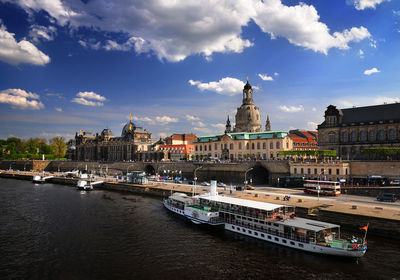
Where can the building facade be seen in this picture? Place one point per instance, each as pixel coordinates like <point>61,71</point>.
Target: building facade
<point>304,139</point>
<point>242,145</point>
<point>133,144</point>
<point>350,131</point>
<point>328,171</point>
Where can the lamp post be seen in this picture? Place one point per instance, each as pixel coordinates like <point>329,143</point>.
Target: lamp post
<point>245,176</point>
<point>195,178</point>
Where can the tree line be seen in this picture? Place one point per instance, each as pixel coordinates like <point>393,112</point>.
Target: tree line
<point>34,148</point>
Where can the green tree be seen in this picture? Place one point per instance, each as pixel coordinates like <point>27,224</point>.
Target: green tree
<point>59,146</point>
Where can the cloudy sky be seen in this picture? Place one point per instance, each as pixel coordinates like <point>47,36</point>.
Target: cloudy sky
<point>180,65</point>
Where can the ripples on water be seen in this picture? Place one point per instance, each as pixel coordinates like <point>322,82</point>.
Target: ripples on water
<point>56,232</point>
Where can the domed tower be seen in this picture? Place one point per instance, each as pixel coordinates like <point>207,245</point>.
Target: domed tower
<point>228,128</point>
<point>248,115</point>
<point>129,129</point>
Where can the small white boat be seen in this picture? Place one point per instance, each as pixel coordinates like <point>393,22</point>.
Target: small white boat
<point>37,179</point>
<point>84,185</point>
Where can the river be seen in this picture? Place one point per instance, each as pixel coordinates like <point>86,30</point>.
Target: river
<point>57,232</point>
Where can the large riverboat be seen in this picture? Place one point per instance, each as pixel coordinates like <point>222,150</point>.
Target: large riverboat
<point>266,221</point>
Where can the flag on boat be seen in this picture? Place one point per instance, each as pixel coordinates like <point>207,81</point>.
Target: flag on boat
<point>364,227</point>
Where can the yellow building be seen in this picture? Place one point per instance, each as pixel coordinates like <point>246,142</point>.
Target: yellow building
<point>242,145</point>
<point>331,171</point>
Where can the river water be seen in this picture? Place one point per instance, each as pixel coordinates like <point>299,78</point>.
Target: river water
<point>56,232</point>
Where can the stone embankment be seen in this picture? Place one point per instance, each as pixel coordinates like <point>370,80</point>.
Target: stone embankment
<point>384,221</point>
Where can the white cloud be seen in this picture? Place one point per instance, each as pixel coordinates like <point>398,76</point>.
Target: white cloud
<point>58,95</point>
<point>225,86</point>
<point>39,32</point>
<point>157,120</point>
<point>312,125</point>
<point>202,130</point>
<point>301,26</point>
<point>199,124</point>
<point>276,74</point>
<point>20,99</point>
<point>372,43</point>
<point>15,53</point>
<point>192,118</point>
<point>383,99</point>
<point>371,71</point>
<point>218,125</point>
<point>265,77</point>
<point>367,4</point>
<point>82,98</point>
<point>361,53</point>
<point>174,30</point>
<point>86,102</point>
<point>58,109</point>
<point>162,134</point>
<point>314,109</point>
<point>292,109</point>
<point>91,95</point>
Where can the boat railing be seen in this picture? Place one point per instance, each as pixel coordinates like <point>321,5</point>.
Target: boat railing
<point>267,230</point>
<point>262,217</point>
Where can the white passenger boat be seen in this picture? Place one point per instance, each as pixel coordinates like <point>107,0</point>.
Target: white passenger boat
<point>177,202</point>
<point>269,222</point>
<point>37,179</point>
<point>84,185</point>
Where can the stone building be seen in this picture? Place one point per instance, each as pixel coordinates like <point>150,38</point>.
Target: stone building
<point>241,145</point>
<point>133,144</point>
<point>331,171</point>
<point>350,131</point>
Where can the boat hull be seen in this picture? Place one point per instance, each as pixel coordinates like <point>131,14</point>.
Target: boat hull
<point>173,209</point>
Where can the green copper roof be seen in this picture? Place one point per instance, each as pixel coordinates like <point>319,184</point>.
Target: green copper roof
<point>243,136</point>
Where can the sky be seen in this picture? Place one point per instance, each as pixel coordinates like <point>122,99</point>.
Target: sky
<point>179,66</point>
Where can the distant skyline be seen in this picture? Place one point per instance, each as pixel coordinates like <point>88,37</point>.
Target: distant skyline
<point>180,66</point>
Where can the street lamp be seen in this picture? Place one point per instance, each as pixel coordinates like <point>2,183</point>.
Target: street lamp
<point>245,176</point>
<point>195,178</point>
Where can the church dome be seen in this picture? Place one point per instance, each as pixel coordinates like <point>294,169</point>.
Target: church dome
<point>130,126</point>
<point>248,119</point>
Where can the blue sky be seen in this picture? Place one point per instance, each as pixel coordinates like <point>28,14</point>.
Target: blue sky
<point>180,66</point>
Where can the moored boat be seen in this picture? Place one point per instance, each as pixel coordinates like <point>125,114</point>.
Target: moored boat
<point>37,179</point>
<point>273,223</point>
<point>84,185</point>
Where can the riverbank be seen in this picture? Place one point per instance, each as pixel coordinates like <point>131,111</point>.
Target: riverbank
<point>384,221</point>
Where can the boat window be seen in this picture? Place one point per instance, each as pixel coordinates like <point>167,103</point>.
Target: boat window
<point>301,245</point>
<point>250,219</point>
<point>291,243</point>
<point>262,222</point>
<point>244,230</point>
<point>283,240</point>
<point>255,233</point>
<point>276,239</point>
<point>269,223</point>
<point>269,236</point>
<point>262,235</point>
<point>249,231</point>
<point>238,217</point>
<point>276,225</point>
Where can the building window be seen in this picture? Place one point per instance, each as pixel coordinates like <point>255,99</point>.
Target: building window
<point>205,147</point>
<point>330,171</point>
<point>271,145</point>
<point>308,171</point>
<point>372,135</point>
<point>332,138</point>
<point>258,145</point>
<point>264,156</point>
<point>363,135</point>
<point>240,146</point>
<point>278,145</point>
<point>222,146</point>
<point>392,134</point>
<point>344,136</point>
<point>301,171</point>
<point>252,146</point>
<point>196,148</point>
<point>225,146</point>
<point>382,135</point>
<point>337,171</point>
<point>315,171</point>
<point>231,146</point>
<point>354,136</point>
<point>216,147</point>
<point>264,145</point>
<point>287,145</point>
<point>209,147</point>
<point>201,148</point>
<point>295,170</point>
<point>247,146</point>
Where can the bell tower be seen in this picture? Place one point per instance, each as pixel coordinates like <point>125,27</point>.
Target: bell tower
<point>247,94</point>
<point>267,124</point>
<point>228,128</point>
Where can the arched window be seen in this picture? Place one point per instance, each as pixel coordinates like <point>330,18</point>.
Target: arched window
<point>332,137</point>
<point>264,145</point>
<point>345,136</point>
<point>252,146</point>
<point>231,146</point>
<point>382,135</point>
<point>247,146</point>
<point>278,145</point>
<point>271,145</point>
<point>392,134</point>
<point>363,135</point>
<point>354,136</point>
<point>372,135</point>
<point>258,145</point>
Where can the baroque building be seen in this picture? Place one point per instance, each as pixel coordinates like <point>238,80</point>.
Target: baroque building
<point>350,131</point>
<point>133,144</point>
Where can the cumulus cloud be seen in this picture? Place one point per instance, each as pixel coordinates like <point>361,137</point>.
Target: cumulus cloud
<point>300,25</point>
<point>367,4</point>
<point>157,120</point>
<point>225,86</point>
<point>312,125</point>
<point>292,109</point>
<point>202,130</point>
<point>20,99</point>
<point>371,71</point>
<point>15,53</point>
<point>265,77</point>
<point>82,98</point>
<point>192,118</point>
<point>38,32</point>
<point>174,30</point>
<point>199,124</point>
<point>276,74</point>
<point>58,109</point>
<point>218,125</point>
